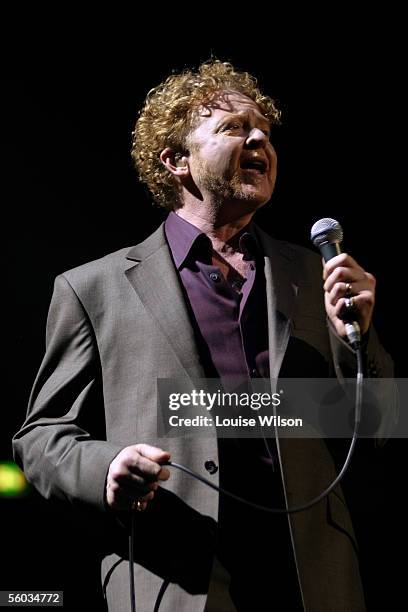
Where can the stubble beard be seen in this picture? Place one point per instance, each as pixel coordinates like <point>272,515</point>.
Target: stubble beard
<point>224,188</point>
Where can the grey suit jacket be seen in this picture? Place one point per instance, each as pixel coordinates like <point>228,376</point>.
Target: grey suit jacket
<point>117,324</point>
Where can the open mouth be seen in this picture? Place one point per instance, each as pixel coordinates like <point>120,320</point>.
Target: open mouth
<point>257,166</point>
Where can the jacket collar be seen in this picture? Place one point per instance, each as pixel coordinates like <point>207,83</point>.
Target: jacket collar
<point>144,249</point>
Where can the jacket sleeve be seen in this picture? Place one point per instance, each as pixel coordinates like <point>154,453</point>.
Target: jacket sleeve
<point>62,445</point>
<point>377,365</point>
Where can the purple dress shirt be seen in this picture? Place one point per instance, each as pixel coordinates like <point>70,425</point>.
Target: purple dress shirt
<point>230,315</point>
<point>231,326</point>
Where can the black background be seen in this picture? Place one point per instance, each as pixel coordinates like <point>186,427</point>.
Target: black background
<point>71,97</point>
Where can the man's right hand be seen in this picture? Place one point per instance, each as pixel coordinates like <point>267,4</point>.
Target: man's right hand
<point>134,474</point>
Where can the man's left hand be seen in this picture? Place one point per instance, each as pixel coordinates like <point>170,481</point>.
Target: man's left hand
<point>348,286</point>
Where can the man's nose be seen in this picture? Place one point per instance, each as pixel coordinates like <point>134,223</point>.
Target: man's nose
<point>256,138</point>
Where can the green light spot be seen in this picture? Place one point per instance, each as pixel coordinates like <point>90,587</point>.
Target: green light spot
<point>12,480</point>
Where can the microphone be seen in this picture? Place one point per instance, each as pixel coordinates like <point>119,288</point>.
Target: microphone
<point>327,234</point>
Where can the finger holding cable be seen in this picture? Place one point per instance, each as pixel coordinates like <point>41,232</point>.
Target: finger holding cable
<point>134,475</point>
<point>139,505</point>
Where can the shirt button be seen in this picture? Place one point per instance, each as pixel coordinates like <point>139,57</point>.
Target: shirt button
<point>215,277</point>
<point>211,467</point>
<point>255,373</point>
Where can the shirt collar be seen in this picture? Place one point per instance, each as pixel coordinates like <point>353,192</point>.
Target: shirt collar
<point>184,237</point>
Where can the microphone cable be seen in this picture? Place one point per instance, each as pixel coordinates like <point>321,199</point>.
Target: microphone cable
<point>293,510</point>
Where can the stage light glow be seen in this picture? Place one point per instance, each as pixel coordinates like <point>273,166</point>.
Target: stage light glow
<point>12,480</point>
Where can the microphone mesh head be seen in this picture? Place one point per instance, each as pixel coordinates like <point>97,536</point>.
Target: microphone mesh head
<point>326,230</point>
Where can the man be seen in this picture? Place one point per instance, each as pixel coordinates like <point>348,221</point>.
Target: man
<point>208,294</point>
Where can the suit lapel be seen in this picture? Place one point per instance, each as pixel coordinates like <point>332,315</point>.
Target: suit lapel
<point>155,280</point>
<point>281,290</point>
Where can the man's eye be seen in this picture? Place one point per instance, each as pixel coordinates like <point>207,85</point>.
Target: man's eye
<point>232,126</point>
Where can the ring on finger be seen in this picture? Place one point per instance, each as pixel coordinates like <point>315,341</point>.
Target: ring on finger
<point>137,505</point>
<point>349,290</point>
<point>349,303</point>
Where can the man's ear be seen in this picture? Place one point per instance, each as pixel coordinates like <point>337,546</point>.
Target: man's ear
<point>175,162</point>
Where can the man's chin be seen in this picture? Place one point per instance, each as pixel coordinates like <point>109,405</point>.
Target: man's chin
<point>254,196</point>
<point>248,196</point>
<point>249,202</point>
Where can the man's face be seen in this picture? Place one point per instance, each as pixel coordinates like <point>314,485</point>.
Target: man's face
<point>231,157</point>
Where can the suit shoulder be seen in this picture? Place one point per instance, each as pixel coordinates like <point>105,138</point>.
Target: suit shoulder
<point>118,261</point>
<point>97,268</point>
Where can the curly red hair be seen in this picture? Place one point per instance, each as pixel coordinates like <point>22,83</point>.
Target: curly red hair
<point>168,116</point>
